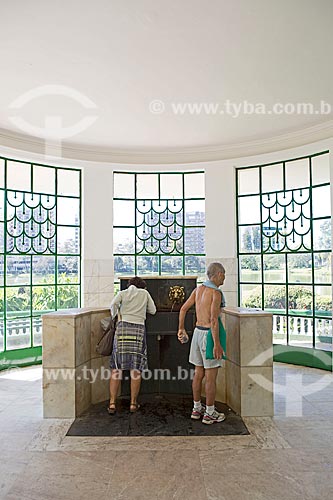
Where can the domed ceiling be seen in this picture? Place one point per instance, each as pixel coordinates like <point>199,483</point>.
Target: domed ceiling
<point>160,77</point>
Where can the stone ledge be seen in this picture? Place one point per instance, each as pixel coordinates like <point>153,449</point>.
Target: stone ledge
<point>73,313</point>
<point>243,311</point>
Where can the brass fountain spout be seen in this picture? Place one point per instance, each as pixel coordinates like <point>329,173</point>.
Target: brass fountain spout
<point>176,295</point>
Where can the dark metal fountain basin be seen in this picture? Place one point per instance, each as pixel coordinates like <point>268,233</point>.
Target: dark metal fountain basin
<point>165,352</point>
<point>166,323</point>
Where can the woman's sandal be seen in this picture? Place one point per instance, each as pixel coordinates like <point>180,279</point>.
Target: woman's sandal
<point>134,407</point>
<point>112,408</point>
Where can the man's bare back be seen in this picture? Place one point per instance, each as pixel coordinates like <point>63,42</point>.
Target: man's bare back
<point>207,303</point>
<point>203,303</point>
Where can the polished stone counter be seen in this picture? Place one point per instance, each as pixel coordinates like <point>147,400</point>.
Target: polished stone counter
<point>75,376</point>
<point>249,367</point>
<point>70,360</point>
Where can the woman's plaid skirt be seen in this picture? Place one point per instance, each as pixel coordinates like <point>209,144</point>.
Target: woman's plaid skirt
<point>129,347</point>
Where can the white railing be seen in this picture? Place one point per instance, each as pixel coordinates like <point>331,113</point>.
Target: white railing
<point>21,326</point>
<point>302,328</point>
<point>18,332</point>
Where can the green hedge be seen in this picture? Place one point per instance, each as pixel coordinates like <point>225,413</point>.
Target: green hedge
<point>298,298</point>
<point>43,298</point>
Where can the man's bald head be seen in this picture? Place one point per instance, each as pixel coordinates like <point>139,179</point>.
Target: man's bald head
<point>214,268</point>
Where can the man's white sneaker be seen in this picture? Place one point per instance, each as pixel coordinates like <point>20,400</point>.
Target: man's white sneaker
<point>213,418</point>
<point>197,414</point>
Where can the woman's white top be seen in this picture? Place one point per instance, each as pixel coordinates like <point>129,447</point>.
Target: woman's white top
<point>133,304</point>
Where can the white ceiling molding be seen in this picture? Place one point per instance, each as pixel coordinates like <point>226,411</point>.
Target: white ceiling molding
<point>172,156</point>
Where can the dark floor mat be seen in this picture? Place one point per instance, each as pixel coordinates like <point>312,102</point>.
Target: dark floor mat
<point>159,415</point>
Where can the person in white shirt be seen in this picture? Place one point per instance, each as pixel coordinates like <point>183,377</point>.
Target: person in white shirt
<point>129,346</point>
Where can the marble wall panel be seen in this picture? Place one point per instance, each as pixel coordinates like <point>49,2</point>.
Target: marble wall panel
<point>82,339</point>
<point>58,342</point>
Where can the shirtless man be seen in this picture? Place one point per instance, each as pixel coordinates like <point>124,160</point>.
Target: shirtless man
<point>207,301</point>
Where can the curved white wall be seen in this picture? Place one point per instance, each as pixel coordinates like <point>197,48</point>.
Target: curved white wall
<point>97,245</point>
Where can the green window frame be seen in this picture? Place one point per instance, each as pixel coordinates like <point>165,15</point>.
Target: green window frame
<point>166,235</point>
<point>40,253</point>
<point>284,251</point>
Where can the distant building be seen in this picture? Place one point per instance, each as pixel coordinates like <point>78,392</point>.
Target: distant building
<point>194,236</point>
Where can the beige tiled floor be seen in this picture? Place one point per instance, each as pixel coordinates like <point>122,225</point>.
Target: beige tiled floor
<point>286,457</point>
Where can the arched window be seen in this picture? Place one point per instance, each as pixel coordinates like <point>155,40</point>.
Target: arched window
<point>159,223</point>
<point>40,247</point>
<point>284,248</point>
